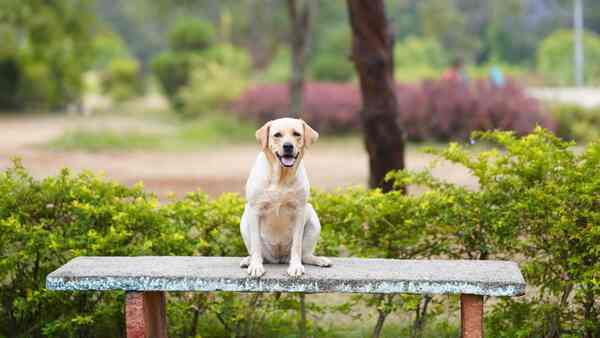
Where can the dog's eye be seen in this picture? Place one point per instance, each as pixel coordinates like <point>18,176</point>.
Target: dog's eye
<point>277,135</point>
<point>297,134</point>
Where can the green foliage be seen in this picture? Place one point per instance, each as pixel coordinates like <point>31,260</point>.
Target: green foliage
<point>107,47</point>
<point>190,35</point>
<point>576,122</point>
<point>172,70</point>
<point>538,200</point>
<point>105,139</point>
<point>445,21</point>
<point>331,60</point>
<point>417,58</point>
<point>278,70</point>
<point>46,47</point>
<point>414,51</point>
<point>121,80</point>
<point>209,130</point>
<point>196,75</point>
<point>336,68</point>
<point>217,78</point>
<point>555,57</point>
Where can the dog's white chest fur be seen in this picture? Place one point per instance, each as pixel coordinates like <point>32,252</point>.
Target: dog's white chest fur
<point>277,206</point>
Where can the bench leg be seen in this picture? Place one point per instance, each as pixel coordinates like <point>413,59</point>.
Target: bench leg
<point>145,315</point>
<point>471,316</point>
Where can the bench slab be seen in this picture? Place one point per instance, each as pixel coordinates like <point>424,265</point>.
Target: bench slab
<point>348,275</point>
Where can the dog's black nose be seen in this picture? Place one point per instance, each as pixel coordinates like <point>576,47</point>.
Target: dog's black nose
<point>288,147</point>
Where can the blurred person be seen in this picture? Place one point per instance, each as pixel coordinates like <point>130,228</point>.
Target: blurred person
<point>456,72</point>
<point>496,77</point>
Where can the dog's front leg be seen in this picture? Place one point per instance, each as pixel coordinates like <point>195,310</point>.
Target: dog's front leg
<point>296,268</point>
<point>255,266</point>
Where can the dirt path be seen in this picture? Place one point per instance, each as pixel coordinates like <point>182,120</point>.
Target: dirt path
<point>215,169</point>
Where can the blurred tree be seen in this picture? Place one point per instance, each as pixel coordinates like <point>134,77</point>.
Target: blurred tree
<point>46,47</point>
<point>441,19</point>
<point>556,55</point>
<point>301,14</point>
<point>372,53</point>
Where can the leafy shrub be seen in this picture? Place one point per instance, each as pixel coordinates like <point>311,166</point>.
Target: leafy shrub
<point>217,78</point>
<point>434,110</point>
<point>440,110</point>
<point>555,57</point>
<point>191,35</point>
<point>575,122</point>
<point>417,58</point>
<point>329,107</point>
<point>9,76</point>
<point>122,79</point>
<point>107,47</point>
<point>331,60</point>
<point>278,70</point>
<point>188,39</point>
<point>50,45</point>
<point>172,70</point>
<point>37,86</point>
<point>538,200</point>
<point>329,67</point>
<point>45,223</point>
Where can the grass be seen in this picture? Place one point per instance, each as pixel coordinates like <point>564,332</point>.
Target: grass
<point>105,139</point>
<point>184,136</point>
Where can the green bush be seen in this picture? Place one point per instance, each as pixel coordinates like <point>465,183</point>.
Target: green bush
<point>278,70</point>
<point>418,58</point>
<point>9,77</point>
<point>107,47</point>
<point>331,61</point>
<point>537,200</point>
<point>191,35</point>
<point>190,46</point>
<point>328,67</point>
<point>416,51</point>
<point>122,79</point>
<point>576,122</point>
<point>555,58</point>
<point>46,47</point>
<point>217,78</point>
<point>37,86</point>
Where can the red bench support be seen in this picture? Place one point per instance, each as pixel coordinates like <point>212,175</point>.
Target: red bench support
<point>471,316</point>
<point>146,316</point>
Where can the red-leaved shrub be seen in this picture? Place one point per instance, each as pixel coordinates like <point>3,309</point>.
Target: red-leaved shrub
<point>434,110</point>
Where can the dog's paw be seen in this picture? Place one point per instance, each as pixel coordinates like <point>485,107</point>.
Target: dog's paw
<point>245,262</point>
<point>322,261</point>
<point>295,270</point>
<point>316,260</point>
<point>256,269</point>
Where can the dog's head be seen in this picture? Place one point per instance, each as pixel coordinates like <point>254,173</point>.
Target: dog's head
<point>286,139</point>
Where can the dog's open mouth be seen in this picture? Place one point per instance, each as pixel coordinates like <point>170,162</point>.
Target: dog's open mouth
<point>287,160</point>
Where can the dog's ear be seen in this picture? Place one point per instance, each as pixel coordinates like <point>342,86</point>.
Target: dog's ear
<point>262,135</point>
<point>310,135</point>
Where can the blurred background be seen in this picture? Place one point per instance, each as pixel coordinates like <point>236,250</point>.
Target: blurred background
<point>170,92</point>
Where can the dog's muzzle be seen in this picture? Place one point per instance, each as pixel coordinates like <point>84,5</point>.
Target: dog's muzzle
<point>287,159</point>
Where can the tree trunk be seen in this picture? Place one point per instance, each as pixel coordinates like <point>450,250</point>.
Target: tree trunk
<point>372,54</point>
<point>300,13</point>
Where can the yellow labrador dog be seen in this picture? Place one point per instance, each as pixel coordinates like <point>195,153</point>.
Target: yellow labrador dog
<point>278,224</point>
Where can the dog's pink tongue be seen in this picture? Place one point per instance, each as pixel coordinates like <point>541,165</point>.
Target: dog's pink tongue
<point>287,161</point>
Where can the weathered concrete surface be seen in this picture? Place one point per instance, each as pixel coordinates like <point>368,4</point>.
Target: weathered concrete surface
<point>170,273</point>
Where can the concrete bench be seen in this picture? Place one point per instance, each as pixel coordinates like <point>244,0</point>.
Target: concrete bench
<point>147,278</point>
